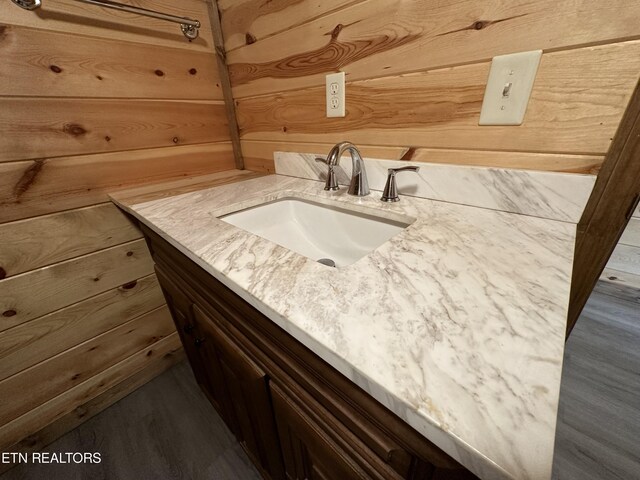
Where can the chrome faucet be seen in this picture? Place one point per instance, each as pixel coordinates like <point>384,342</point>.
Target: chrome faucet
<point>359,185</point>
<point>390,193</point>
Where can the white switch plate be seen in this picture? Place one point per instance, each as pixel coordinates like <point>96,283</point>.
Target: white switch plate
<point>509,88</point>
<point>335,95</point>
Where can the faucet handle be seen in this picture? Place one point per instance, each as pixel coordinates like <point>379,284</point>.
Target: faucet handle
<point>331,183</point>
<point>390,193</point>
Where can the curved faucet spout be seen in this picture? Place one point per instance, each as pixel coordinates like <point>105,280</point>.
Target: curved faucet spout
<point>359,185</point>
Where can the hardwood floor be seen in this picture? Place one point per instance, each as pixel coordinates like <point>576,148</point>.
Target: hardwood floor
<point>167,430</point>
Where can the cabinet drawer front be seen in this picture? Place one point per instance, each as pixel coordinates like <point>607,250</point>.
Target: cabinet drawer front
<point>316,446</point>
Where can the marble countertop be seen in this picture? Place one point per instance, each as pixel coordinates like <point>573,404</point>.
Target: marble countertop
<point>457,324</point>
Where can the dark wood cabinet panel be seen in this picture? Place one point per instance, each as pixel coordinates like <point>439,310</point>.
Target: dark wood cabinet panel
<point>248,405</point>
<point>180,307</point>
<point>313,450</point>
<point>295,415</point>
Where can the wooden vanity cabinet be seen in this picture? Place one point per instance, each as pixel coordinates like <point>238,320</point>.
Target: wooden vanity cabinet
<point>247,399</point>
<point>233,383</point>
<point>295,415</point>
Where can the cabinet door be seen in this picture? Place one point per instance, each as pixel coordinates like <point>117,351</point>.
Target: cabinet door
<point>309,452</point>
<point>180,307</point>
<point>205,368</point>
<point>249,411</point>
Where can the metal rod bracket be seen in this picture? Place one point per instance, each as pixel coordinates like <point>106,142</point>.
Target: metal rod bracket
<point>28,4</point>
<point>189,27</point>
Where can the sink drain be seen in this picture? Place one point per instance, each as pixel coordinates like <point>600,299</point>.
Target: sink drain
<point>327,261</point>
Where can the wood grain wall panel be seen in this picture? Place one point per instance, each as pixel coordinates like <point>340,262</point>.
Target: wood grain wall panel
<point>37,187</point>
<point>29,343</point>
<point>81,20</point>
<point>39,241</point>
<point>38,128</point>
<point>223,70</point>
<point>577,102</point>
<point>71,367</point>
<point>92,101</point>
<point>97,67</point>
<point>147,193</point>
<point>87,409</point>
<point>164,350</point>
<point>247,21</point>
<point>382,38</point>
<point>36,293</point>
<point>259,156</point>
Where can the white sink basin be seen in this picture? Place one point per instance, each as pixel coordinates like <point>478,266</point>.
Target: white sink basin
<point>315,230</point>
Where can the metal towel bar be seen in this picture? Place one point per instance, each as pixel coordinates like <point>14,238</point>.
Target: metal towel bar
<point>188,26</point>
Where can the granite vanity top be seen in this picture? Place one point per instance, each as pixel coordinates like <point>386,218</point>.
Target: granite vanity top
<point>457,324</point>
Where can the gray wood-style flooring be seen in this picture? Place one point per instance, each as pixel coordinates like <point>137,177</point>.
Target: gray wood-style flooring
<point>163,431</point>
<point>167,429</point>
<point>598,433</point>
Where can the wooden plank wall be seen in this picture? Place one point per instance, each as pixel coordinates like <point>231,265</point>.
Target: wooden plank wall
<point>91,101</point>
<point>416,74</point>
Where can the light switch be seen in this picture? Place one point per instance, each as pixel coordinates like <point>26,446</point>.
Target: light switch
<point>335,95</point>
<point>509,88</point>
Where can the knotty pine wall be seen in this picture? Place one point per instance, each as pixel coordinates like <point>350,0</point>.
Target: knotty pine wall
<point>416,74</point>
<point>91,101</point>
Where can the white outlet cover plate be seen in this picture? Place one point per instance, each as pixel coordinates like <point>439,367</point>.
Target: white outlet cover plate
<point>335,95</point>
<point>520,70</point>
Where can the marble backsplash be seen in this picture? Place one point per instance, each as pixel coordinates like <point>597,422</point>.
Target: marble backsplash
<point>550,195</point>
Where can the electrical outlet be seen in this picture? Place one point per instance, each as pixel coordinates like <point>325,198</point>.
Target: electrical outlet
<point>335,98</point>
<point>509,88</point>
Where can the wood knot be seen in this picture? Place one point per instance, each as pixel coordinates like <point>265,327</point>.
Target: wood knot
<point>149,353</point>
<point>96,279</point>
<point>74,129</point>
<point>28,178</point>
<point>250,38</point>
<point>193,71</point>
<point>107,138</point>
<point>408,155</point>
<point>3,273</point>
<point>612,278</point>
<point>75,377</point>
<point>175,139</point>
<point>479,25</point>
<point>81,411</point>
<point>159,73</point>
<point>55,69</point>
<point>336,31</point>
<point>9,313</point>
<point>129,254</point>
<point>130,285</point>
<point>284,129</point>
<point>98,77</point>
